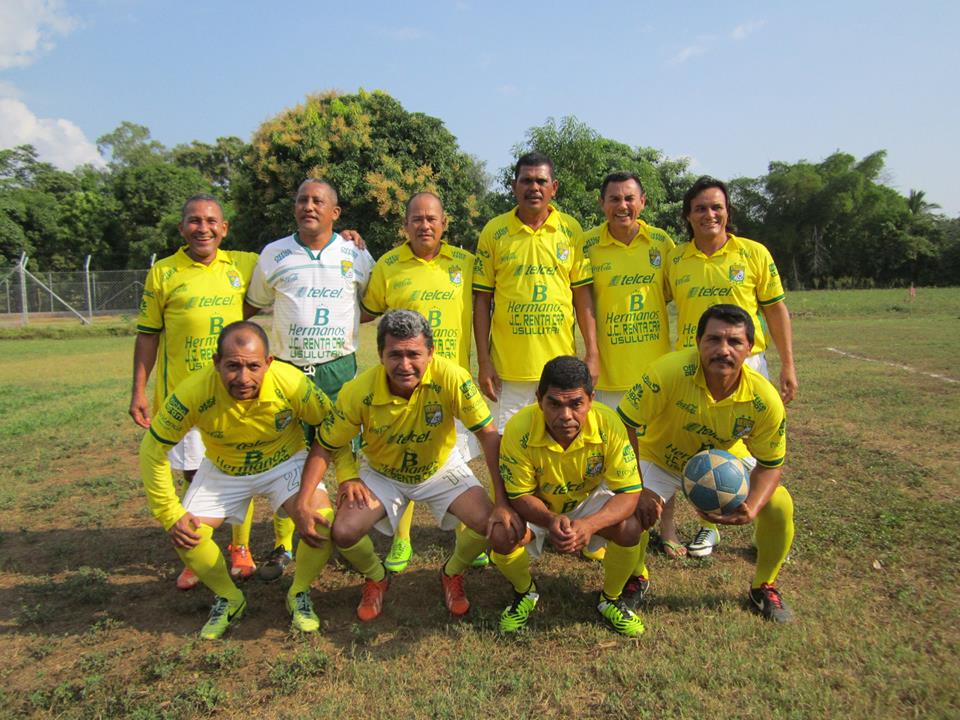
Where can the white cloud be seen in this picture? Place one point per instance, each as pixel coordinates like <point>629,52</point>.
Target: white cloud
<point>57,141</point>
<point>28,28</point>
<point>742,30</point>
<point>687,53</point>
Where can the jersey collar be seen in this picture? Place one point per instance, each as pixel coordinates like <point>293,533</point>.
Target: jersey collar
<point>743,393</point>
<point>516,225</point>
<point>607,238</point>
<point>312,254</point>
<point>221,256</point>
<point>406,252</point>
<point>732,244</point>
<point>589,433</point>
<point>381,388</point>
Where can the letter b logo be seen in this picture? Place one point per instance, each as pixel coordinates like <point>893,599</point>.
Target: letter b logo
<point>539,293</point>
<point>322,317</point>
<point>636,302</point>
<point>216,325</point>
<point>434,318</point>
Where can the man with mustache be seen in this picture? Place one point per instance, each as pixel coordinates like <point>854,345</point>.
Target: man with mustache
<point>708,397</point>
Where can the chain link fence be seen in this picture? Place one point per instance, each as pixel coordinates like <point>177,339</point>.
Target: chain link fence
<point>83,293</point>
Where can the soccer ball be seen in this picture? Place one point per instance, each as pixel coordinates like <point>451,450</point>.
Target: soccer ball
<point>715,481</point>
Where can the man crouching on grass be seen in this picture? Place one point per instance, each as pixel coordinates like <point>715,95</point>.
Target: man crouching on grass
<point>405,408</point>
<point>248,411</point>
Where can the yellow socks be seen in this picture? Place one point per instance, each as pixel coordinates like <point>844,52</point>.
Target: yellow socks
<point>363,557</point>
<point>469,545</point>
<point>618,565</point>
<point>310,560</point>
<point>515,567</point>
<point>283,528</point>
<point>640,569</point>
<point>774,536</point>
<point>240,534</point>
<point>208,564</point>
<point>403,527</point>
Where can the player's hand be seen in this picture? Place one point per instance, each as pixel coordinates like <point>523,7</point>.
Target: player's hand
<point>306,519</point>
<point>580,533</point>
<point>353,494</point>
<point>561,533</point>
<point>788,384</point>
<point>140,409</point>
<point>354,237</point>
<point>743,514</point>
<point>649,507</point>
<point>592,361</point>
<point>489,382</point>
<point>182,532</point>
<point>512,523</point>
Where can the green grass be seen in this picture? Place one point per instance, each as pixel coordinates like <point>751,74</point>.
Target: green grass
<point>93,627</point>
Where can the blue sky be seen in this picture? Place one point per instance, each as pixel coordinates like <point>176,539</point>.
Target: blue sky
<point>730,86</point>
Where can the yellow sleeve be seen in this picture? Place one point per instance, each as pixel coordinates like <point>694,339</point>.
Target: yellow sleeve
<point>375,298</point>
<point>516,469</point>
<point>338,430</point>
<point>150,317</point>
<point>622,475</point>
<point>471,409</point>
<point>641,404</point>
<point>158,482</point>
<point>581,273</point>
<point>767,441</point>
<point>484,277</point>
<point>769,285</point>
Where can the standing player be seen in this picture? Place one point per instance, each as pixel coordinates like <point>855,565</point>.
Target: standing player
<point>718,266</point>
<point>531,270</point>
<point>405,407</point>
<point>247,409</point>
<point>188,299</point>
<point>313,280</point>
<point>570,472</point>
<point>433,278</point>
<point>709,397</point>
<point>628,260</point>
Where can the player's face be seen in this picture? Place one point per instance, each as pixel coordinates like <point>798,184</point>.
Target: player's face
<point>723,348</point>
<point>405,361</point>
<point>315,210</point>
<point>242,366</point>
<point>424,226</point>
<point>622,203</point>
<point>708,215</point>
<point>534,188</point>
<point>564,412</point>
<point>203,227</point>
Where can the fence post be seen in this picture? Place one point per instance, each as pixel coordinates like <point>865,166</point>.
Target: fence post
<point>50,281</point>
<point>86,274</point>
<point>23,289</point>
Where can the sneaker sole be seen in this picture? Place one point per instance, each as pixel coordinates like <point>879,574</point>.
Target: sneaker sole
<point>237,616</point>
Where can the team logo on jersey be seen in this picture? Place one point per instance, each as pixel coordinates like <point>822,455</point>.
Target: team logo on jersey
<point>690,369</point>
<point>456,275</point>
<point>282,419</point>
<point>433,413</point>
<point>346,268</point>
<point>758,404</point>
<point>655,258</point>
<point>628,455</point>
<point>594,465</point>
<point>742,426</point>
<point>563,252</point>
<point>234,277</point>
<point>737,273</point>
<point>469,389</point>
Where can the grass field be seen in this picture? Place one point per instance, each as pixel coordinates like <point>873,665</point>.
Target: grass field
<point>93,627</point>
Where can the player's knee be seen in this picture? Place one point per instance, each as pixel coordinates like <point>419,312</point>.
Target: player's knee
<point>345,533</point>
<point>779,508</point>
<point>501,542</point>
<point>626,533</point>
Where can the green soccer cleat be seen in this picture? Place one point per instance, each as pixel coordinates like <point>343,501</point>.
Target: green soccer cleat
<point>481,560</point>
<point>399,556</point>
<point>303,618</point>
<point>223,614</point>
<point>634,591</point>
<point>620,617</point>
<point>514,617</point>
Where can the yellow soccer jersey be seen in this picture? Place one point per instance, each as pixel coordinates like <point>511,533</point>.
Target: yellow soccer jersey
<point>530,274</point>
<point>407,440</point>
<point>675,416</point>
<point>189,303</point>
<point>630,296</point>
<point>242,437</point>
<point>439,289</point>
<point>533,463</point>
<point>741,273</point>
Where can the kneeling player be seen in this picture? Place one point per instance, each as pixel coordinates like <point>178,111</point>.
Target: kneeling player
<point>570,472</point>
<point>405,408</point>
<point>247,410</point>
<point>692,400</point>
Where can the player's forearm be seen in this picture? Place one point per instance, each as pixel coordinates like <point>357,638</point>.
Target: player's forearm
<point>763,481</point>
<point>781,330</point>
<point>489,440</point>
<point>318,459</point>
<point>482,301</point>
<point>586,317</point>
<point>158,482</point>
<point>533,510</point>
<point>249,310</point>
<point>144,357</point>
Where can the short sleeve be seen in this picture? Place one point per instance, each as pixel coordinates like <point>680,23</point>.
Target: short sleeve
<point>769,284</point>
<point>640,404</point>
<point>484,278</point>
<point>375,298</point>
<point>622,475</point>
<point>150,317</point>
<point>767,441</point>
<point>259,293</point>
<point>516,469</point>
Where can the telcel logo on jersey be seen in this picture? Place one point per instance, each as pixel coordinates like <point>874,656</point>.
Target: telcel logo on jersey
<point>323,292</point>
<point>637,279</point>
<point>203,301</point>
<point>698,291</point>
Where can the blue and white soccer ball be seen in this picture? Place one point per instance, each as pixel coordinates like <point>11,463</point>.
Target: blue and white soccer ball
<point>715,481</point>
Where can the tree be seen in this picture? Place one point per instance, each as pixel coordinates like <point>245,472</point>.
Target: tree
<point>376,153</point>
<point>129,145</point>
<point>582,158</point>
<point>218,163</point>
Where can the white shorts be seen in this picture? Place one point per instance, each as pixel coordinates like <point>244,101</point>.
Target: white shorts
<point>514,396</point>
<point>467,442</point>
<point>188,453</point>
<point>665,483</point>
<point>215,494</point>
<point>759,363</point>
<point>595,500</point>
<point>610,398</point>
<point>438,491</point>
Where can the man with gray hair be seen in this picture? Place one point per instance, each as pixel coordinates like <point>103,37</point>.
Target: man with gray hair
<point>405,408</point>
<point>313,280</point>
